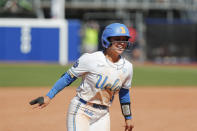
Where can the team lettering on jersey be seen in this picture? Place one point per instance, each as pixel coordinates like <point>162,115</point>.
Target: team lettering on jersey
<point>103,84</point>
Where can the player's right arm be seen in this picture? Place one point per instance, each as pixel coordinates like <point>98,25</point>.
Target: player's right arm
<point>78,69</point>
<point>65,80</point>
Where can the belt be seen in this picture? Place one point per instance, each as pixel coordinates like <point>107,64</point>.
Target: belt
<point>93,105</point>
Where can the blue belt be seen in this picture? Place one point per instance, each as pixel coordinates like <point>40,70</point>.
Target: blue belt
<point>94,105</point>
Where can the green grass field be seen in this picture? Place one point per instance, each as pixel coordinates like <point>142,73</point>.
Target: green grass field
<point>21,75</point>
<point>31,74</point>
<point>165,76</point>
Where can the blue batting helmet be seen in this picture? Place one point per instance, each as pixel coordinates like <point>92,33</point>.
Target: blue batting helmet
<point>115,29</point>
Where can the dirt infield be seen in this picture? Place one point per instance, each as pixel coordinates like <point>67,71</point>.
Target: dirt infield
<point>154,109</point>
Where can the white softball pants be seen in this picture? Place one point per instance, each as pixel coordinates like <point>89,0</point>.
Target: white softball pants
<point>83,117</point>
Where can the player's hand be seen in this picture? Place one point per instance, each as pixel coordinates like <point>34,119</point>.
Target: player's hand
<point>129,125</point>
<point>40,102</point>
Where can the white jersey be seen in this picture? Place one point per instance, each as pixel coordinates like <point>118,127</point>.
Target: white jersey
<point>101,78</point>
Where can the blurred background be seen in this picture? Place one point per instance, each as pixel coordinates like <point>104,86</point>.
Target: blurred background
<point>57,32</point>
<point>163,31</point>
<point>40,39</point>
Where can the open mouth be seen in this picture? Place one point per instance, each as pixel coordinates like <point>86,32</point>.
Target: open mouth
<point>120,49</point>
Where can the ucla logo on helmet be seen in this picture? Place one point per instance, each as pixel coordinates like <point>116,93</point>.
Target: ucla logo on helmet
<point>122,30</point>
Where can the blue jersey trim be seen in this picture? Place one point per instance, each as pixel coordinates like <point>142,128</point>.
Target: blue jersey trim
<point>72,72</point>
<point>64,81</point>
<point>74,116</point>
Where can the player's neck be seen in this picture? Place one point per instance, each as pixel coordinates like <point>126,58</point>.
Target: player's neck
<point>111,56</point>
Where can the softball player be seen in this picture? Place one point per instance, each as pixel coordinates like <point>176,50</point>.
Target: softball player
<point>104,74</point>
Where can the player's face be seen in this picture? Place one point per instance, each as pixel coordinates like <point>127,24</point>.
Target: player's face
<point>119,43</point>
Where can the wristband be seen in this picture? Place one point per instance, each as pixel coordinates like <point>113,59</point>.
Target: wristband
<point>126,110</point>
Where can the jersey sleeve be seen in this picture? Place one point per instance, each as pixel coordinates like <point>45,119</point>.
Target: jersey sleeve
<point>128,80</point>
<point>65,80</point>
<point>81,66</point>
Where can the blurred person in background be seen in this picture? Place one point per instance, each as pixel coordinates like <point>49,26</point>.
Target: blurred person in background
<point>136,52</point>
<point>15,6</point>
<point>90,37</point>
<point>21,9</point>
<point>10,6</point>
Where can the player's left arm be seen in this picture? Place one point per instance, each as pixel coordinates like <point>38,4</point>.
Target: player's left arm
<point>125,103</point>
<point>124,97</point>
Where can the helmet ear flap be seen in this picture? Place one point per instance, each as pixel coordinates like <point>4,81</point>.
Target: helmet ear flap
<point>105,43</point>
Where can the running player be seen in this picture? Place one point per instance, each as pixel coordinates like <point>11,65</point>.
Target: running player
<point>104,74</point>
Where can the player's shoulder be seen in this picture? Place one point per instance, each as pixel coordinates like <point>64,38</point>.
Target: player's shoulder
<point>93,56</point>
<point>128,64</point>
<point>96,54</point>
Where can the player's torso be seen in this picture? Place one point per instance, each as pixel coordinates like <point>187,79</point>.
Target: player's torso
<point>103,79</point>
<point>104,76</point>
